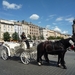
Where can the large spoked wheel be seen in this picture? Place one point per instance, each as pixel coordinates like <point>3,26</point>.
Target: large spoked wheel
<point>4,54</point>
<point>25,57</point>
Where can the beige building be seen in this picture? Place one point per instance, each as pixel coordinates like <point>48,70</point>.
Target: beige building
<point>34,30</point>
<point>29,29</point>
<point>47,33</point>
<point>57,34</point>
<point>6,26</point>
<point>26,28</point>
<point>18,28</point>
<point>52,33</point>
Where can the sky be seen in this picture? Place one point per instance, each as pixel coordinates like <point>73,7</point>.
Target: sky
<point>57,15</point>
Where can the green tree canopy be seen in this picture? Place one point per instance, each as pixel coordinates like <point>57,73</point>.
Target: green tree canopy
<point>15,36</point>
<point>29,36</point>
<point>6,36</point>
<point>52,37</point>
<point>34,37</point>
<point>42,37</point>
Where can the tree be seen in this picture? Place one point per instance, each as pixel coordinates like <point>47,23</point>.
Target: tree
<point>41,37</point>
<point>29,36</point>
<point>34,37</point>
<point>15,36</point>
<point>38,37</point>
<point>51,37</point>
<point>6,36</point>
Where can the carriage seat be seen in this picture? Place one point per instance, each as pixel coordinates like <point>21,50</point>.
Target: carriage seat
<point>24,46</point>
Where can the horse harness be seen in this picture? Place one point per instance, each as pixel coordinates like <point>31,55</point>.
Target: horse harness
<point>53,46</point>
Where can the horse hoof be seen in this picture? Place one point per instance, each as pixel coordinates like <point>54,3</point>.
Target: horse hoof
<point>63,67</point>
<point>39,63</point>
<point>59,65</point>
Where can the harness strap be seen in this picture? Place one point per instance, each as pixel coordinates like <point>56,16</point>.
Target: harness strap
<point>72,44</point>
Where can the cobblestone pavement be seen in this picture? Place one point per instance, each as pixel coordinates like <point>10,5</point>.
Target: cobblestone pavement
<point>13,66</point>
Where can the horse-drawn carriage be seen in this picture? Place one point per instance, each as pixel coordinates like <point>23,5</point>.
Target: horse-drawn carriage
<point>59,48</point>
<point>10,49</point>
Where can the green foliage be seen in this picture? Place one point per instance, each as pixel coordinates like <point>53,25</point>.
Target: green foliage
<point>59,37</point>
<point>34,37</point>
<point>52,37</point>
<point>41,37</point>
<point>38,37</point>
<point>30,37</point>
<point>6,36</point>
<point>15,36</point>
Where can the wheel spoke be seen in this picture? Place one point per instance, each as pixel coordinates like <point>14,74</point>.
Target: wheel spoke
<point>4,55</point>
<point>25,57</point>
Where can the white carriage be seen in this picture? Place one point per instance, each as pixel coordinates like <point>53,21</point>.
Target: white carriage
<point>11,49</point>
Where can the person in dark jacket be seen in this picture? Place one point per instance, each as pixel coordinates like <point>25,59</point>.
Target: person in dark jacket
<point>23,37</point>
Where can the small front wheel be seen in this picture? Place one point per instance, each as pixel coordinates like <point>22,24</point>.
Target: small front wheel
<point>4,54</point>
<point>25,57</point>
<point>34,55</point>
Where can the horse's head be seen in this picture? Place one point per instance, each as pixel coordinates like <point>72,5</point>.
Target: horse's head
<point>68,43</point>
<point>72,43</point>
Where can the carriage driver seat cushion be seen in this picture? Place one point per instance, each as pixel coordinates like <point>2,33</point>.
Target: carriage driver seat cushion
<point>23,45</point>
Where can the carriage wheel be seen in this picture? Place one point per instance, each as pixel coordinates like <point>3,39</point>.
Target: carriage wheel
<point>4,54</point>
<point>34,55</point>
<point>25,57</point>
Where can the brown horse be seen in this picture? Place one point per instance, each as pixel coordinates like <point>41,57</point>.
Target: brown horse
<point>55,48</point>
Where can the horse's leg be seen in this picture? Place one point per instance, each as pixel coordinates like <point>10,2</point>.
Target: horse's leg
<point>64,56</point>
<point>39,59</point>
<point>59,59</point>
<point>62,61</point>
<point>46,57</point>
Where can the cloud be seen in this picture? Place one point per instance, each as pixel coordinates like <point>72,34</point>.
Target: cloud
<point>59,19</point>
<point>47,19</point>
<point>54,23</point>
<point>47,26</point>
<point>70,19</point>
<point>59,30</point>
<point>34,17</point>
<point>6,14</point>
<point>13,20</point>
<point>39,22</point>
<point>51,16</point>
<point>65,32</point>
<point>7,5</point>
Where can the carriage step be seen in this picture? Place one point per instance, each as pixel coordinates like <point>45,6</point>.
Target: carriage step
<point>30,49</point>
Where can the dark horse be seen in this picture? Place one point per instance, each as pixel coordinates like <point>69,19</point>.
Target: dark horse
<point>55,48</point>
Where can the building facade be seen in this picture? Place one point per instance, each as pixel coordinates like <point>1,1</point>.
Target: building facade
<point>34,30</point>
<point>28,29</point>
<point>6,26</point>
<point>18,28</point>
<point>25,28</point>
